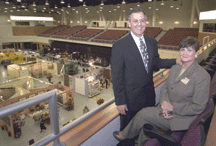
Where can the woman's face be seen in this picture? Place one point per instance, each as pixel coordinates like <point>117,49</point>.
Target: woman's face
<point>187,55</point>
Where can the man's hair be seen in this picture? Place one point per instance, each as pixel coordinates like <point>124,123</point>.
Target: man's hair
<point>189,42</point>
<point>136,10</point>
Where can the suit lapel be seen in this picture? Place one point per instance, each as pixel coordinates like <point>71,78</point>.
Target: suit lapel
<point>187,73</point>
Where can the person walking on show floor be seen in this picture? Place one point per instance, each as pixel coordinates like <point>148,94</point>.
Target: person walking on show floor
<point>133,60</point>
<point>42,124</point>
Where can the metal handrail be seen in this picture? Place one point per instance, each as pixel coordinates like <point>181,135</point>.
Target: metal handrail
<point>56,133</point>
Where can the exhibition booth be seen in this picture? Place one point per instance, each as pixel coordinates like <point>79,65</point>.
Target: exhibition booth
<point>12,124</point>
<point>36,69</point>
<point>90,83</point>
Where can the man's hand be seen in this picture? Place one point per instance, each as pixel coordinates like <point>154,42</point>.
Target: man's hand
<point>122,109</point>
<point>178,62</point>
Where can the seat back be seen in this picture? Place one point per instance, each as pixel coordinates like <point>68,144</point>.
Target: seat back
<point>203,119</point>
<point>195,135</point>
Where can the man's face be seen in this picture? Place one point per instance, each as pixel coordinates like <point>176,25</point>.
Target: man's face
<point>137,23</point>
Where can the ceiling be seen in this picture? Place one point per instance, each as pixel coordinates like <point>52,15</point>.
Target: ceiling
<point>73,3</point>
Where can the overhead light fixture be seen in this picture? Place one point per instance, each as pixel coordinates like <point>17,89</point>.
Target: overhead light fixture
<point>177,8</point>
<point>157,9</point>
<point>84,4</point>
<point>47,3</point>
<point>34,5</point>
<point>19,1</point>
<point>162,3</point>
<point>123,10</point>
<point>7,2</point>
<point>150,7</point>
<point>73,9</point>
<point>23,6</point>
<point>118,6</point>
<point>123,2</point>
<point>62,2</point>
<point>131,8</point>
<point>52,10</point>
<point>56,6</point>
<point>114,9</point>
<point>44,8</point>
<point>110,11</point>
<point>68,5</point>
<point>97,11</point>
<point>102,3</point>
<point>138,5</point>
<point>34,9</point>
<point>149,0</point>
<point>80,0</point>
<point>171,6</point>
<point>14,7</point>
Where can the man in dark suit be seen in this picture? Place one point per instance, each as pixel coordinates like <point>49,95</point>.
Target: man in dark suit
<point>132,78</point>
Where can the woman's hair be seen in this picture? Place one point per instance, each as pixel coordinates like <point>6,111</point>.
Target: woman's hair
<point>189,42</point>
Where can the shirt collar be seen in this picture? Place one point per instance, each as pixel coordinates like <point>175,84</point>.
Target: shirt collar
<point>137,39</point>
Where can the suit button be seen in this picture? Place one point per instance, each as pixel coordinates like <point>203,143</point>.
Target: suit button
<point>171,87</point>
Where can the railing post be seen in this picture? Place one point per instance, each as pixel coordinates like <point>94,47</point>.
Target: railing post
<point>54,121</point>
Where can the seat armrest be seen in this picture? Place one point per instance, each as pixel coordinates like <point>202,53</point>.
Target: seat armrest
<point>162,137</point>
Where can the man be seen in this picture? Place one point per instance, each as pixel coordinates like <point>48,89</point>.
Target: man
<point>133,71</point>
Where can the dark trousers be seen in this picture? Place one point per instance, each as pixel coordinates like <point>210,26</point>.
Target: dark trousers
<point>124,120</point>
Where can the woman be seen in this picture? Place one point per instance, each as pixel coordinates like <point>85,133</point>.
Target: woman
<point>183,97</point>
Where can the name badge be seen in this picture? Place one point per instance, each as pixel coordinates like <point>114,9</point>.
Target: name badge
<point>185,80</point>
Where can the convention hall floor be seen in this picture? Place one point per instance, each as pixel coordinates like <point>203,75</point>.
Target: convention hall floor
<point>31,130</point>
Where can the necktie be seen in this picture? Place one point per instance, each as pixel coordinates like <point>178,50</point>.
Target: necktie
<point>144,52</point>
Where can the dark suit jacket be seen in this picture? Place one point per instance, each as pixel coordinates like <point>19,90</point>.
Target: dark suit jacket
<point>132,85</point>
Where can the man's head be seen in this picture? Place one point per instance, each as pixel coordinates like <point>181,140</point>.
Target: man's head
<point>137,21</point>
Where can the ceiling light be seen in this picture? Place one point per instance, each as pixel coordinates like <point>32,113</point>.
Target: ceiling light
<point>23,6</point>
<point>102,3</point>
<point>97,11</point>
<point>14,7</point>
<point>80,0</point>
<point>67,12</point>
<point>69,5</point>
<point>52,10</point>
<point>123,2</point>
<point>19,1</point>
<point>131,8</point>
<point>138,4</point>
<point>110,11</point>
<point>56,6</point>
<point>118,6</point>
<point>73,9</point>
<point>47,3</point>
<point>18,10</point>
<point>62,10</point>
<point>62,2</point>
<point>7,2</point>
<point>114,9</point>
<point>11,10</point>
<point>149,0</point>
<point>84,4</point>
<point>123,10</point>
<point>26,9</point>
<point>171,6</point>
<point>162,3</point>
<point>86,8</point>
<point>157,9</point>
<point>34,5</point>
<point>150,7</point>
<point>101,7</point>
<point>177,8</point>
<point>34,9</point>
<point>6,8</point>
<point>44,8</point>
